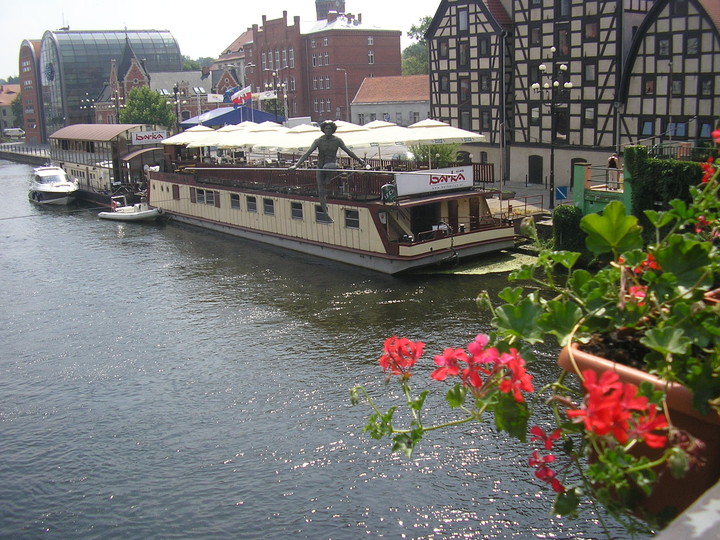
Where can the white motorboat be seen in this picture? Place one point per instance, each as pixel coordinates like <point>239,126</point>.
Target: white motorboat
<point>51,185</point>
<point>135,212</point>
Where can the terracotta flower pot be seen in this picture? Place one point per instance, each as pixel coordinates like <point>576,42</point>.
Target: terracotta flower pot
<point>669,493</point>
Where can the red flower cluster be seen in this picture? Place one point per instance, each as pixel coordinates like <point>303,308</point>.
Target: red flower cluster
<point>544,472</point>
<point>612,408</point>
<point>708,166</point>
<point>509,368</point>
<point>400,355</point>
<point>716,136</point>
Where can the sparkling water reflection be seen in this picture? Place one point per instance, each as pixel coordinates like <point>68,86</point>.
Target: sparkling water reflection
<point>163,382</point>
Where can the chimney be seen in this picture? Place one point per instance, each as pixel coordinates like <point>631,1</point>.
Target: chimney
<point>332,16</point>
<point>359,18</point>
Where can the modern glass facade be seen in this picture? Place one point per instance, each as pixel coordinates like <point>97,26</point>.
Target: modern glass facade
<point>74,64</point>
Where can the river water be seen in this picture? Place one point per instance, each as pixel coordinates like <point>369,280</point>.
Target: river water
<point>158,381</point>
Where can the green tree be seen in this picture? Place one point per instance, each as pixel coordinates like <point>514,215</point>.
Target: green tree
<point>188,64</point>
<point>17,111</point>
<point>11,80</point>
<point>145,106</point>
<point>415,56</point>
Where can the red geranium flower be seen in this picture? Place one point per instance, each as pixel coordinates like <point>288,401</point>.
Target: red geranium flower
<point>400,355</point>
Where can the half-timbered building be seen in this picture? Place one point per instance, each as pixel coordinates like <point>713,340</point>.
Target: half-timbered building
<point>551,83</point>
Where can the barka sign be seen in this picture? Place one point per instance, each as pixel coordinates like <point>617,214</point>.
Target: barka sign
<point>148,137</point>
<point>435,180</point>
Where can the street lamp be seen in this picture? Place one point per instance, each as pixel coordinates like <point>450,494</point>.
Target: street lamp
<point>276,86</point>
<point>557,86</point>
<point>86,105</point>
<point>347,101</point>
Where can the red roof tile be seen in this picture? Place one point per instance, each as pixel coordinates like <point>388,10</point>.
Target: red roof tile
<point>393,89</point>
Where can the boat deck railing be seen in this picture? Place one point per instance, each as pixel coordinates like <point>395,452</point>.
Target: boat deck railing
<point>346,182</point>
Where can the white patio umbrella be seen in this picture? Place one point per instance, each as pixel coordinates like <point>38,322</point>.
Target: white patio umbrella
<point>379,134</point>
<point>298,138</point>
<point>435,132</point>
<point>216,137</point>
<point>188,136</point>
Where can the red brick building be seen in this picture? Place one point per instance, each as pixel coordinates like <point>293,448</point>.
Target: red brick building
<point>317,69</point>
<point>29,85</point>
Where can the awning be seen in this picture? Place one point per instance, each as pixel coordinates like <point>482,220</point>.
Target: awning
<point>136,153</point>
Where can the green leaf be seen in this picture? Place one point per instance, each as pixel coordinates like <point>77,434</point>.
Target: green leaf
<point>417,404</point>
<point>566,503</point>
<point>520,320</point>
<point>512,416</point>
<point>560,319</point>
<point>613,231</point>
<point>667,341</point>
<point>565,258</point>
<point>456,396</point>
<point>686,259</point>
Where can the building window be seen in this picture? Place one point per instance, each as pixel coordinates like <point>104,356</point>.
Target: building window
<point>484,82</point>
<point>466,120</point>
<point>235,201</point>
<point>464,54</point>
<point>176,192</point>
<point>676,86</point>
<point>361,119</point>
<point>327,59</point>
<point>370,40</point>
<point>268,207</point>
<point>463,20</point>
<point>315,103</point>
<point>371,57</point>
<point>535,34</point>
<point>352,219</point>
<point>314,83</point>
<point>296,210</point>
<point>589,117</point>
<point>291,58</point>
<point>590,72</point>
<point>251,203</point>
<point>563,41</point>
<point>264,61</point>
<point>649,85</point>
<point>321,83</point>
<point>590,30</point>
<point>464,89</point>
<point>692,45</point>
<point>312,43</point>
<point>314,60</point>
<point>646,127</point>
<point>679,7</point>
<point>664,49</point>
<point>398,118</point>
<point>327,82</point>
<point>535,116</point>
<point>284,58</point>
<point>445,83</point>
<point>325,42</point>
<point>706,85</point>
<point>483,46</point>
<point>485,119</point>
<point>414,117</point>
<point>562,9</point>
<point>443,49</point>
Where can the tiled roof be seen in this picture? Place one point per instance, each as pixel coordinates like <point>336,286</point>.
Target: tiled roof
<point>92,132</point>
<point>499,12</point>
<point>394,89</point>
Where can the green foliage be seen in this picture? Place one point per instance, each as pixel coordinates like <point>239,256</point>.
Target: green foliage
<point>566,230</point>
<point>188,64</point>
<point>145,106</point>
<point>417,31</point>
<point>415,59</point>
<point>17,110</point>
<point>438,155</point>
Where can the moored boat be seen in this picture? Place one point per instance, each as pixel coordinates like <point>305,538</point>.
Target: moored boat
<point>386,221</point>
<point>130,212</point>
<point>51,186</point>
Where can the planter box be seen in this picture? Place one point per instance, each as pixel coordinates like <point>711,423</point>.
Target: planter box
<point>669,493</point>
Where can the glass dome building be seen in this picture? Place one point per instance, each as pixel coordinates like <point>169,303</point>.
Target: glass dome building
<point>76,64</point>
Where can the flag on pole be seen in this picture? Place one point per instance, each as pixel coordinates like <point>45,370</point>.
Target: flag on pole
<point>214,98</point>
<point>242,96</point>
<point>267,95</point>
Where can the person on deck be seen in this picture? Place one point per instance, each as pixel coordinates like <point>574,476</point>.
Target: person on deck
<point>613,166</point>
<point>327,146</point>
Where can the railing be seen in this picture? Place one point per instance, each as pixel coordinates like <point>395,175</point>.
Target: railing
<point>683,151</point>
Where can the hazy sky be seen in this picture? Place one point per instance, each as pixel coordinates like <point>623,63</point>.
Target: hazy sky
<point>205,33</point>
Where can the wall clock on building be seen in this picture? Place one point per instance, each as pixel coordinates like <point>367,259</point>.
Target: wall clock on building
<point>50,71</point>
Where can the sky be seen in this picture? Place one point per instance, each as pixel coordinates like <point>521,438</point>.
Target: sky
<point>206,32</point>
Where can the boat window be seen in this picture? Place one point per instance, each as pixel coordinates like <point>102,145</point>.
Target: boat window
<point>352,219</point>
<point>251,203</point>
<point>235,201</point>
<point>268,207</point>
<point>296,210</point>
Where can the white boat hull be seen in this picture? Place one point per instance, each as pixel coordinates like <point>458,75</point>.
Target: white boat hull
<point>137,212</point>
<point>51,186</point>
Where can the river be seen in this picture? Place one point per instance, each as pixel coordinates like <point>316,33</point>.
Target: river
<point>158,381</point>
